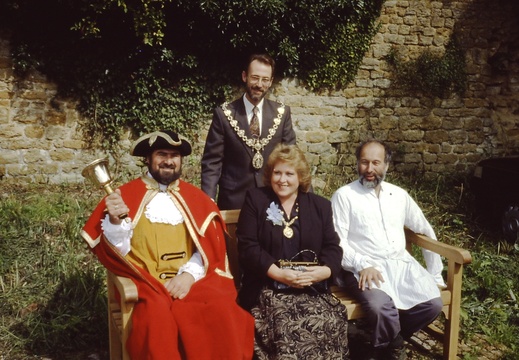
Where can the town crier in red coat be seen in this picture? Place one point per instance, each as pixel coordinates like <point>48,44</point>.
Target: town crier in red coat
<point>172,245</point>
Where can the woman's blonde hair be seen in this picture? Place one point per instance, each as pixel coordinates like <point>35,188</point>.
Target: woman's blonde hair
<point>292,155</point>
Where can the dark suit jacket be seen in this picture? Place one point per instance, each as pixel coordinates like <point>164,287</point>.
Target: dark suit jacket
<point>259,240</point>
<point>227,160</point>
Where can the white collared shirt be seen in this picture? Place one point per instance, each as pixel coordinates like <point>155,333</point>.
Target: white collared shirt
<point>371,229</point>
<point>248,109</point>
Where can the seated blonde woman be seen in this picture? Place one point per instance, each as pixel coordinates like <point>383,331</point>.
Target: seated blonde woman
<point>295,315</point>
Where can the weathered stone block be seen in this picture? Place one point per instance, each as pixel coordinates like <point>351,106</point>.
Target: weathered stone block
<point>10,132</point>
<point>433,148</point>
<point>412,158</point>
<point>436,136</point>
<point>28,117</point>
<point>447,158</point>
<point>34,131</point>
<point>54,117</point>
<point>16,170</point>
<point>339,137</point>
<point>464,149</point>
<point>54,132</point>
<point>62,155</point>
<point>413,135</point>
<point>9,157</point>
<point>312,159</point>
<point>305,123</point>
<point>426,41</point>
<point>4,115</point>
<point>430,158</point>
<point>331,123</point>
<point>457,136</point>
<point>320,148</point>
<point>330,159</point>
<point>43,169</point>
<point>315,136</point>
<point>35,156</point>
<point>33,95</point>
<point>437,22</point>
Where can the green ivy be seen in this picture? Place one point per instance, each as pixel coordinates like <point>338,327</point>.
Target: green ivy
<point>431,74</point>
<point>148,64</point>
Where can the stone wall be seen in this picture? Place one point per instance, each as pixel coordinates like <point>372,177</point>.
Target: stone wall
<point>41,141</point>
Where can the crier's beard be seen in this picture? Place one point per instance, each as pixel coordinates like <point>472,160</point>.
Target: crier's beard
<point>166,178</point>
<point>373,183</point>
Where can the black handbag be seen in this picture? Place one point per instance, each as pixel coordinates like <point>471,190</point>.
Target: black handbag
<point>320,287</point>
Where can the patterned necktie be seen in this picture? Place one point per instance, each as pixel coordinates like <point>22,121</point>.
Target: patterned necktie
<point>254,123</point>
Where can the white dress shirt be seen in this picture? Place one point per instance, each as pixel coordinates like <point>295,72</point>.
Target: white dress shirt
<point>371,229</point>
<point>161,209</point>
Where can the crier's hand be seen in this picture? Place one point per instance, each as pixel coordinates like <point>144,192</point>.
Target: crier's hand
<point>116,206</point>
<point>179,286</point>
<point>368,276</point>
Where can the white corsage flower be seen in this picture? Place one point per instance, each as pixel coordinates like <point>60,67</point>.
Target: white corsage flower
<point>274,214</point>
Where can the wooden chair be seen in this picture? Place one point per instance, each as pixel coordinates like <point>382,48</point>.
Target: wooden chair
<point>122,293</point>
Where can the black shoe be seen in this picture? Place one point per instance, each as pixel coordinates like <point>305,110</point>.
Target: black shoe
<point>387,353</point>
<point>396,353</point>
<point>376,353</point>
<point>396,349</point>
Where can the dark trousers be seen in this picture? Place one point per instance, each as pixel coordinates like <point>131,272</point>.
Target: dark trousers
<point>384,319</point>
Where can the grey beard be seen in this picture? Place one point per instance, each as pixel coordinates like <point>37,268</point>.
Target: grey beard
<point>371,184</point>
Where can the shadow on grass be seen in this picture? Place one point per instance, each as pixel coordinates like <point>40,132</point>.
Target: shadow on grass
<point>73,324</point>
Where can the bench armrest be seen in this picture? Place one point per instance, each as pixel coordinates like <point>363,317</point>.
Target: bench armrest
<point>454,253</point>
<point>126,288</point>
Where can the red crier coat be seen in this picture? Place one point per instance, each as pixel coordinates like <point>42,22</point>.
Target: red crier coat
<point>207,323</point>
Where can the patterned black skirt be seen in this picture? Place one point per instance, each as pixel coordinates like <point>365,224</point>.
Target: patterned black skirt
<point>300,326</point>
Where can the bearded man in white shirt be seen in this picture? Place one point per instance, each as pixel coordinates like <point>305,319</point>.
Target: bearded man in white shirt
<point>398,295</point>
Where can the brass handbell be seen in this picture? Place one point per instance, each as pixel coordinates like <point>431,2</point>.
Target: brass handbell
<point>97,172</point>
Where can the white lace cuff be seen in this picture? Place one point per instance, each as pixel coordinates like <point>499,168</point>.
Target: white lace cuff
<point>195,266</point>
<point>118,235</point>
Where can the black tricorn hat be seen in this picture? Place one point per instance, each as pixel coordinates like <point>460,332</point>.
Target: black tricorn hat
<point>164,139</point>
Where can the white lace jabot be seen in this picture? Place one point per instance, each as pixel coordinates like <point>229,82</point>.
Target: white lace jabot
<point>161,209</point>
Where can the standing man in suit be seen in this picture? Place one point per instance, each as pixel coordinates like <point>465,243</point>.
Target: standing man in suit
<point>242,135</point>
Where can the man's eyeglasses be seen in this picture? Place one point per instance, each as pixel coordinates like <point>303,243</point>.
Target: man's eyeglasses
<point>256,80</point>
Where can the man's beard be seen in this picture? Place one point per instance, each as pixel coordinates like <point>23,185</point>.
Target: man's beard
<point>373,183</point>
<point>256,98</point>
<point>168,178</point>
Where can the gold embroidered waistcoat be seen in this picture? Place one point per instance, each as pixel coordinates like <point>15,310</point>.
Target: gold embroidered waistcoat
<point>160,248</point>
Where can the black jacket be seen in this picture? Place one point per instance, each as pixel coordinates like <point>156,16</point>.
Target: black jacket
<point>227,161</point>
<point>259,240</point>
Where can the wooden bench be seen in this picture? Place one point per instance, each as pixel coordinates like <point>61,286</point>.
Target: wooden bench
<point>119,311</point>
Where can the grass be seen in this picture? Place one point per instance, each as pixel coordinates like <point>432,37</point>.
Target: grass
<point>53,296</point>
<point>490,309</point>
<point>52,290</point>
